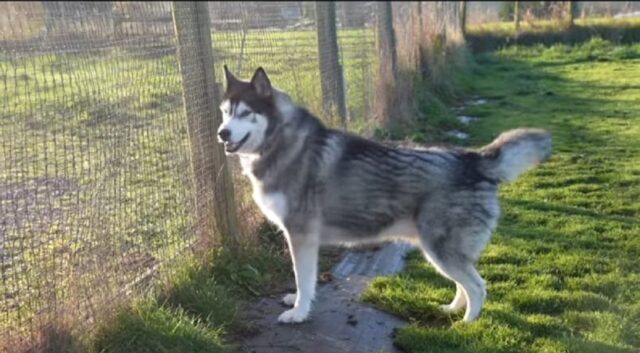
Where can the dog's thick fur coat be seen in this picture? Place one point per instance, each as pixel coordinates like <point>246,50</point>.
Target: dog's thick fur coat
<point>324,186</point>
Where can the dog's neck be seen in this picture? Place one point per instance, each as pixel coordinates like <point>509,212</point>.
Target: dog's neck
<point>282,146</point>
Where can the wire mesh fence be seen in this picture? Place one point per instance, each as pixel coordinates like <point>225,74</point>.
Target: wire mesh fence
<point>540,14</point>
<point>495,24</point>
<point>108,165</point>
<point>93,140</point>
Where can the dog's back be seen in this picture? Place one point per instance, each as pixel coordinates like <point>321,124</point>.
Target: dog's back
<point>374,185</point>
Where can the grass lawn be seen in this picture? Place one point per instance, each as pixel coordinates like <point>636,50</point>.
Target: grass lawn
<point>562,269</point>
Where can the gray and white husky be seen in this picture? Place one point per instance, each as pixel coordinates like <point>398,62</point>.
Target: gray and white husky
<point>325,186</point>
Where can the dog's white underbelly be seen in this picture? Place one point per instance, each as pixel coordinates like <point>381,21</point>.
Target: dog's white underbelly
<point>402,229</point>
<point>273,205</point>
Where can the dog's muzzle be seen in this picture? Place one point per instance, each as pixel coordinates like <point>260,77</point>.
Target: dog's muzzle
<point>233,147</point>
<point>224,135</point>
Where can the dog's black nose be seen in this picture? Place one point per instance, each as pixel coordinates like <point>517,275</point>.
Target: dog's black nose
<point>224,134</point>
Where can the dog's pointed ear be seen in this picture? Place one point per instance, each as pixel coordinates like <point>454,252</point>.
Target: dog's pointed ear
<point>260,82</point>
<point>231,80</point>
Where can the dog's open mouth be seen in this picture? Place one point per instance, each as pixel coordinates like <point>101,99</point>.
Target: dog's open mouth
<point>233,147</point>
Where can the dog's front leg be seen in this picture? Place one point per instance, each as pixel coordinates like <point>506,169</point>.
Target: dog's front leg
<point>304,254</point>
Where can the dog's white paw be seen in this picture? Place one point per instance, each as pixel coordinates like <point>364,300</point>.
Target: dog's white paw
<point>470,317</point>
<point>290,299</point>
<point>449,309</point>
<point>293,315</point>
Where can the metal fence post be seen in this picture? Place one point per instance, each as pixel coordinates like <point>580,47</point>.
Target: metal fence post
<point>331,76</point>
<point>214,194</point>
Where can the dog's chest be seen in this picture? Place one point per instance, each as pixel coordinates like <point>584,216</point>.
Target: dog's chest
<point>273,205</point>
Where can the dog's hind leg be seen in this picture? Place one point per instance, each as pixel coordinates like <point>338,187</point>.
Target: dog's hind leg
<point>458,303</point>
<point>304,254</point>
<point>467,277</point>
<point>452,250</point>
<point>459,269</point>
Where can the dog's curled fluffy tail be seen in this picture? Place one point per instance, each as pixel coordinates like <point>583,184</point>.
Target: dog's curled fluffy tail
<point>515,152</point>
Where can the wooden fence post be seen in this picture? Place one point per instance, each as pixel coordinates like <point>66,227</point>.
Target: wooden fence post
<point>570,12</point>
<point>331,77</point>
<point>463,17</point>
<point>422,41</point>
<point>516,15</point>
<point>214,194</point>
<point>420,19</point>
<point>386,37</point>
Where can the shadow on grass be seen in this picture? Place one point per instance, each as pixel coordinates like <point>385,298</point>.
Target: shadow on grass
<point>544,206</point>
<point>200,307</point>
<point>415,339</point>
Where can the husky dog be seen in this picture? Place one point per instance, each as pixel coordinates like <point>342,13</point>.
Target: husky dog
<point>324,186</point>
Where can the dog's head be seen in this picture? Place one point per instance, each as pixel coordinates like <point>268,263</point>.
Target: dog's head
<point>249,112</point>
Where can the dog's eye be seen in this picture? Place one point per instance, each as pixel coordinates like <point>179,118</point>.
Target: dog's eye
<point>244,114</point>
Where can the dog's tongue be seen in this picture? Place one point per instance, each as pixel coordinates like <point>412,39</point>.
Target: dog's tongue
<point>230,147</point>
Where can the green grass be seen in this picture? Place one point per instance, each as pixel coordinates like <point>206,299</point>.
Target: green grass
<point>200,310</point>
<point>562,269</point>
<point>496,35</point>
